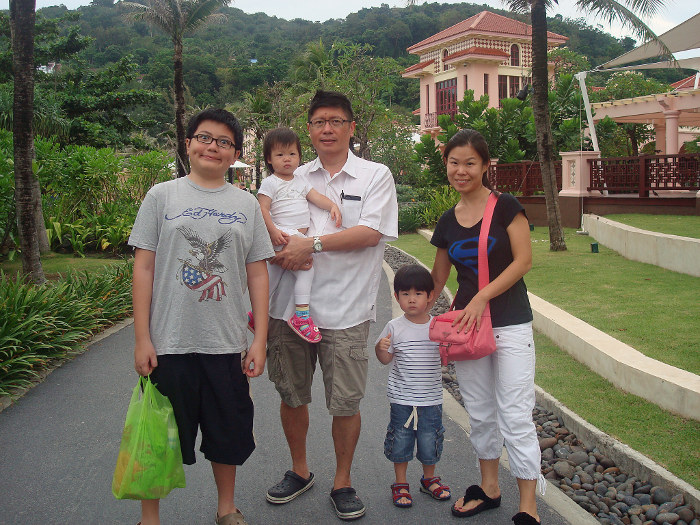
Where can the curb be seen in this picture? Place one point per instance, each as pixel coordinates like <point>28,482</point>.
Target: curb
<point>624,456</point>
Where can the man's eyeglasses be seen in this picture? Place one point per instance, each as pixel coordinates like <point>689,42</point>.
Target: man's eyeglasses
<point>320,123</point>
<point>208,139</point>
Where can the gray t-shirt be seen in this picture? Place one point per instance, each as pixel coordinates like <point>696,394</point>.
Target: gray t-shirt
<point>203,238</point>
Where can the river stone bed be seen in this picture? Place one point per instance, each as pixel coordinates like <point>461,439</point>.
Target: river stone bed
<point>584,474</point>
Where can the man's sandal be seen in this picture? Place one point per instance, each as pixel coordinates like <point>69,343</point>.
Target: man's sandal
<point>438,492</point>
<point>474,493</point>
<point>235,518</point>
<point>291,486</point>
<point>397,495</point>
<point>347,504</point>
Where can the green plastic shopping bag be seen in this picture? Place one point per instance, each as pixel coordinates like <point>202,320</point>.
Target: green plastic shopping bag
<point>149,465</point>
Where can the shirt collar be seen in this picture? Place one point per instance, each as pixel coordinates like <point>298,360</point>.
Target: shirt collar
<point>349,168</point>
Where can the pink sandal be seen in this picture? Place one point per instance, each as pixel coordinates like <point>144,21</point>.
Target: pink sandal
<point>305,328</point>
<point>251,322</point>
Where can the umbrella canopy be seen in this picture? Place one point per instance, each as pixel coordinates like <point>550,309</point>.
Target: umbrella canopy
<point>239,164</point>
<point>683,37</point>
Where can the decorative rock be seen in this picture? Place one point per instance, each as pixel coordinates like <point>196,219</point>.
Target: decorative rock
<point>666,517</point>
<point>546,443</point>
<point>685,513</point>
<point>659,495</point>
<point>667,507</point>
<point>578,458</point>
<point>564,469</point>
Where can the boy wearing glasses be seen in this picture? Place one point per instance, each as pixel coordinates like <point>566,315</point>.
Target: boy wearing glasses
<point>347,259</point>
<point>199,243</point>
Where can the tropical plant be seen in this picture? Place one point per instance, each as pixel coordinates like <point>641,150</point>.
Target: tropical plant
<point>177,18</point>
<point>441,200</point>
<point>612,10</point>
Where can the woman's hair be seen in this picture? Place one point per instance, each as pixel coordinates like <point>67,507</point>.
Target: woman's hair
<point>470,137</point>
<point>279,137</point>
<point>413,276</point>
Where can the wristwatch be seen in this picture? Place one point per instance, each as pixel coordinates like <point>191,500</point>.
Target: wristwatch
<point>317,244</point>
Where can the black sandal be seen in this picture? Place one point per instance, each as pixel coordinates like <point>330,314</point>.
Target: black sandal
<point>473,493</point>
<point>523,518</point>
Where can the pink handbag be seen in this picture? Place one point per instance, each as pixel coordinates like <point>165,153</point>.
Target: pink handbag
<point>461,346</point>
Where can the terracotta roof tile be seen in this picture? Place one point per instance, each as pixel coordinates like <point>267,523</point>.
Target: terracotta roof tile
<point>418,66</point>
<point>477,51</point>
<point>486,21</point>
<point>686,83</point>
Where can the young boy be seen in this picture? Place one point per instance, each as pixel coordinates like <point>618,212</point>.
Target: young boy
<point>199,242</point>
<point>284,200</point>
<point>414,386</point>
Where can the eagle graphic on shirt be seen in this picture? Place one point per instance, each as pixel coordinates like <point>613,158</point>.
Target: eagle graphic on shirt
<point>203,272</point>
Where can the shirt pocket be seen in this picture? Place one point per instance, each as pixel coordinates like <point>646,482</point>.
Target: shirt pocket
<point>351,210</point>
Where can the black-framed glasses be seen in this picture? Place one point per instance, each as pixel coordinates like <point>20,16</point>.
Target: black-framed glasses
<point>208,139</point>
<point>320,123</point>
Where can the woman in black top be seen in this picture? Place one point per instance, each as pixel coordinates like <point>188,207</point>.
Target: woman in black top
<point>498,390</point>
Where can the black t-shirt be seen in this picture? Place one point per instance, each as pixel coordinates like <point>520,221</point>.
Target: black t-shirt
<point>512,306</point>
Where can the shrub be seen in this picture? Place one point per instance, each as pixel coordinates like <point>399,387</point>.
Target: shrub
<point>42,323</point>
<point>441,200</point>
<point>410,217</point>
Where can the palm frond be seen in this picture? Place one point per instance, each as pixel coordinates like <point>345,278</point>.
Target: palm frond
<point>613,11</point>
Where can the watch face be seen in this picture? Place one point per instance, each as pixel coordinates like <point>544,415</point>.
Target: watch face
<point>317,245</point>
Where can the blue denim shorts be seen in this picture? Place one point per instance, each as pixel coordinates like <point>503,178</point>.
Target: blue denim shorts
<point>399,441</point>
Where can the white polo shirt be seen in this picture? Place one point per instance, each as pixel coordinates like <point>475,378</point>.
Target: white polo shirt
<point>345,285</point>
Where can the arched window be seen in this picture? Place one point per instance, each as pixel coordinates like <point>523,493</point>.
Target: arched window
<point>514,55</point>
<point>445,67</point>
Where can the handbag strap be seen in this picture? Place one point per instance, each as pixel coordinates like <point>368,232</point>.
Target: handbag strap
<point>483,255</point>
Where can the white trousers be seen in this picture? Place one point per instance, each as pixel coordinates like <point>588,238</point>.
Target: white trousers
<point>499,394</point>
<point>303,278</point>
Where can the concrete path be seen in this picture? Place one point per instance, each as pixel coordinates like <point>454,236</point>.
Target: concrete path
<point>58,447</point>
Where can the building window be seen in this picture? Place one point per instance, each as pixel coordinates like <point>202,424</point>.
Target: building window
<point>445,67</point>
<point>466,83</point>
<point>502,88</point>
<point>446,97</point>
<point>514,86</point>
<point>486,83</point>
<point>514,55</point>
<point>427,99</point>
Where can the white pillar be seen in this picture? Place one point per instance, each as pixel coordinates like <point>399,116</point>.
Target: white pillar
<point>671,117</point>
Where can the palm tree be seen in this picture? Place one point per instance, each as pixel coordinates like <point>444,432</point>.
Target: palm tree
<point>612,10</point>
<point>177,18</point>
<point>27,195</point>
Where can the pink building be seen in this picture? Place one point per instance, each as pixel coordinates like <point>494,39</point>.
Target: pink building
<point>487,53</point>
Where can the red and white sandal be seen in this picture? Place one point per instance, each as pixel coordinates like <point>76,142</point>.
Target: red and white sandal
<point>397,494</point>
<point>438,492</point>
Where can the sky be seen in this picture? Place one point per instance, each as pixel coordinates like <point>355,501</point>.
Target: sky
<point>675,12</point>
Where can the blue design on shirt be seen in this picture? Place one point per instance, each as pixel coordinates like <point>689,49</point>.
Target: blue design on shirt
<point>201,213</point>
<point>466,252</point>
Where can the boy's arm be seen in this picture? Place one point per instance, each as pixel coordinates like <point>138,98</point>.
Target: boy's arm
<point>258,285</point>
<point>276,235</point>
<point>145,359</point>
<point>382,350</point>
<point>323,202</point>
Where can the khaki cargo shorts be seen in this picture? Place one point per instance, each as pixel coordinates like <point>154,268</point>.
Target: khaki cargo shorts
<point>291,363</point>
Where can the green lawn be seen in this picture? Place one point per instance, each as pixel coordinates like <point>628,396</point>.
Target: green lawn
<point>604,288</point>
<point>684,225</point>
<point>55,263</point>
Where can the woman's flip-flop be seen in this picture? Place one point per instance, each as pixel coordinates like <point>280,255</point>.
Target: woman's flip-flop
<point>474,493</point>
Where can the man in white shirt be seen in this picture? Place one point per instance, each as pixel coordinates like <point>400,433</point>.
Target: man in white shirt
<point>347,262</point>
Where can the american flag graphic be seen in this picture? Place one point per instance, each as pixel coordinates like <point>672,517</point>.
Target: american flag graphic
<point>211,286</point>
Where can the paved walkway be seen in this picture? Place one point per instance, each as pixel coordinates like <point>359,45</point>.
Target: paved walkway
<point>58,447</point>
